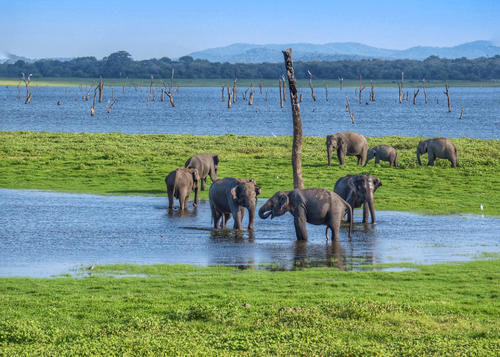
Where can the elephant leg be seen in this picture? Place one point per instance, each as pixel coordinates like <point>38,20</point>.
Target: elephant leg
<point>431,158</point>
<point>203,183</point>
<point>377,160</point>
<point>225,218</point>
<point>170,199</point>
<point>359,159</point>
<point>340,155</point>
<point>299,220</point>
<point>217,216</point>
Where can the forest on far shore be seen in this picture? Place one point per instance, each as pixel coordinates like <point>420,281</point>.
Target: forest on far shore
<point>121,65</point>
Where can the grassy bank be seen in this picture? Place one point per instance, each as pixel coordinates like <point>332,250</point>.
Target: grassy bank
<point>443,310</point>
<point>320,83</point>
<point>137,164</point>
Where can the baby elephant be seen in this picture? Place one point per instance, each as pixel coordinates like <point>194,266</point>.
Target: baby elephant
<point>229,197</point>
<point>312,205</point>
<point>384,153</point>
<point>180,183</point>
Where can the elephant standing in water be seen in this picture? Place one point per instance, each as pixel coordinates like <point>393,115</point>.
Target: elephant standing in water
<point>206,164</point>
<point>358,190</point>
<point>438,148</point>
<point>384,153</point>
<point>180,183</point>
<point>317,206</point>
<point>229,197</point>
<point>347,143</point>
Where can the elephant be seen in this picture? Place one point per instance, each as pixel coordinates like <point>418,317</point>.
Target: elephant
<point>438,148</point>
<point>384,153</point>
<point>229,197</point>
<point>317,206</point>
<point>206,164</point>
<point>347,143</point>
<point>358,190</point>
<point>180,183</point>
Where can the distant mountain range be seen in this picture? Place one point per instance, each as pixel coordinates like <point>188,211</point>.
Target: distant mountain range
<point>251,53</point>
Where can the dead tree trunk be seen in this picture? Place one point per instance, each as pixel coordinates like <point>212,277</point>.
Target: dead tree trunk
<point>235,90</point>
<point>415,93</point>
<point>281,95</point>
<point>223,98</point>
<point>400,92</point>
<point>326,91</point>
<point>171,97</point>
<point>447,92</point>
<point>361,89</point>
<point>297,122</point>
<point>92,109</point>
<point>372,93</point>
<point>260,87</point>
<point>101,89</point>
<point>300,96</point>
<point>425,93</point>
<point>348,108</point>
<point>27,82</point>
<point>461,112</point>
<point>407,96</point>
<point>341,83</point>
<point>250,100</point>
<point>311,84</point>
<point>229,98</point>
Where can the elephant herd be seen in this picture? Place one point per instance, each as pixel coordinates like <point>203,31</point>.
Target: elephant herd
<point>229,197</point>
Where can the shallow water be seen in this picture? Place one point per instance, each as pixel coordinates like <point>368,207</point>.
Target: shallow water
<point>45,233</point>
<point>200,111</point>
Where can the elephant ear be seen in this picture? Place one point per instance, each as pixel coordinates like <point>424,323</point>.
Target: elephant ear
<point>283,201</point>
<point>376,183</point>
<point>258,190</point>
<point>235,192</point>
<point>196,175</point>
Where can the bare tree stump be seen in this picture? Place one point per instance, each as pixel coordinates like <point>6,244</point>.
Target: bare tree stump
<point>298,182</point>
<point>361,88</point>
<point>461,112</point>
<point>260,87</point>
<point>223,98</point>
<point>235,90</point>
<point>401,94</point>
<point>326,91</point>
<point>250,100</point>
<point>372,92</point>
<point>415,94</point>
<point>229,98</point>
<point>341,83</point>
<point>447,92</point>
<point>101,89</point>
<point>311,85</point>
<point>425,93</point>
<point>27,82</point>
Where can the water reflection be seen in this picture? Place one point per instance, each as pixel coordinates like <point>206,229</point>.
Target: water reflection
<point>44,233</point>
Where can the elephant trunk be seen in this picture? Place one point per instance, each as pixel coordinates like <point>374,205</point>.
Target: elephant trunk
<point>371,207</point>
<point>262,211</point>
<point>329,154</point>
<point>418,158</point>
<point>351,218</point>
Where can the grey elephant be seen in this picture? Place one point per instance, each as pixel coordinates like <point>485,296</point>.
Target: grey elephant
<point>206,164</point>
<point>347,143</point>
<point>437,148</point>
<point>317,206</point>
<point>180,183</point>
<point>358,190</point>
<point>384,153</point>
<point>229,197</point>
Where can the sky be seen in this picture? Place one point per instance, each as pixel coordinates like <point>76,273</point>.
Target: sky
<point>154,29</point>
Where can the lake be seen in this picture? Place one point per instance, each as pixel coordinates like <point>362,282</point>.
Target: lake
<point>43,234</point>
<point>200,111</point>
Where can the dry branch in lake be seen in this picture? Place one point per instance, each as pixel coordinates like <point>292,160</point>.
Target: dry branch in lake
<point>27,82</point>
<point>311,85</point>
<point>447,92</point>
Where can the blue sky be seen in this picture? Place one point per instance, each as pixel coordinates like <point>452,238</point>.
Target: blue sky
<point>147,29</point>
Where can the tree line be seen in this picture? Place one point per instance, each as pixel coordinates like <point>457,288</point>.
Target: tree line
<point>121,65</point>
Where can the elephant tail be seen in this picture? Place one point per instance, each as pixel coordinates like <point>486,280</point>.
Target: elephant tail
<point>396,161</point>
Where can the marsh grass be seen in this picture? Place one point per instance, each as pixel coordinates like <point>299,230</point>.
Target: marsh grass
<point>115,164</point>
<point>442,310</point>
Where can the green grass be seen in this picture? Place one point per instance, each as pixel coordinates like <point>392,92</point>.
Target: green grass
<point>442,310</point>
<point>319,83</point>
<point>137,164</point>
